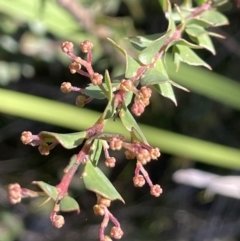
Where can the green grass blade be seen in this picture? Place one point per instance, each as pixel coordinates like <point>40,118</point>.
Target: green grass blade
<point>64,115</point>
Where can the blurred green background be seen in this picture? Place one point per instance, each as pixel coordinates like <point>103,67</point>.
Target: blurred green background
<point>201,132</point>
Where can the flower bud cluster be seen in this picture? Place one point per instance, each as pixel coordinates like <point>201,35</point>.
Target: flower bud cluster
<point>141,100</point>
<point>74,67</point>
<point>86,46</point>
<point>126,85</point>
<point>115,143</point>
<point>67,47</point>
<point>96,79</point>
<point>143,154</point>
<point>37,140</point>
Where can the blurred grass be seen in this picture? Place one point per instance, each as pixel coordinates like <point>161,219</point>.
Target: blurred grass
<point>60,23</point>
<point>207,83</point>
<point>68,116</point>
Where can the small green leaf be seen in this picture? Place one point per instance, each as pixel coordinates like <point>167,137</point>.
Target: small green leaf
<point>186,55</point>
<point>128,98</point>
<point>131,64</point>
<point>199,22</point>
<point>187,44</point>
<point>171,24</point>
<point>176,58</point>
<point>200,36</point>
<point>141,42</point>
<point>205,41</point>
<point>94,91</point>
<point>178,86</point>
<point>195,30</point>
<point>68,204</point>
<point>214,18</point>
<point>166,90</point>
<point>130,123</point>
<point>146,56</point>
<point>95,181</point>
<point>68,141</point>
<point>108,84</point>
<point>95,151</point>
<point>155,75</point>
<point>110,108</point>
<point>50,190</point>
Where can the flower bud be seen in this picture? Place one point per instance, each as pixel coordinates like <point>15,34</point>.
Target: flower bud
<point>67,47</point>
<point>26,137</point>
<point>74,67</point>
<point>110,162</point>
<point>66,87</point>
<point>58,221</point>
<point>116,232</point>
<point>86,46</point>
<point>14,193</point>
<point>156,190</point>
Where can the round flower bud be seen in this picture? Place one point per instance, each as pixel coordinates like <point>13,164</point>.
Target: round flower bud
<point>81,100</point>
<point>26,137</point>
<point>74,67</point>
<point>156,190</point>
<point>110,162</point>
<point>44,149</point>
<point>116,232</point>
<point>58,221</point>
<point>137,108</point>
<point>115,143</point>
<point>138,181</point>
<point>14,193</point>
<point>86,46</point>
<point>97,79</point>
<point>98,210</point>
<point>66,87</point>
<point>67,47</point>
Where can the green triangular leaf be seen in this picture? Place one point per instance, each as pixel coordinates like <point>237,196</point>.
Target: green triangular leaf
<point>50,190</point>
<point>146,56</point>
<point>131,64</point>
<point>214,18</point>
<point>141,42</point>
<point>110,108</point>
<point>95,181</point>
<point>195,30</point>
<point>130,123</point>
<point>155,75</point>
<point>128,98</point>
<point>186,55</point>
<point>95,152</point>
<point>68,141</point>
<point>166,90</point>
<point>205,41</point>
<point>171,24</point>
<point>184,43</point>
<point>68,204</point>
